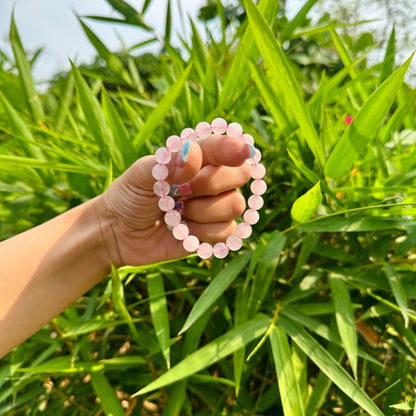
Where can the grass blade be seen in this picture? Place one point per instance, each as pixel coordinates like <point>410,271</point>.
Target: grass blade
<point>365,124</point>
<point>326,362</point>
<point>288,387</point>
<point>215,289</point>
<point>283,79</point>
<point>108,399</point>
<point>159,311</point>
<point>298,20</point>
<point>211,353</point>
<point>388,61</point>
<point>344,316</point>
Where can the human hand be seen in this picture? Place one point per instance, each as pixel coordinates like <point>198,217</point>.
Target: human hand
<point>132,222</point>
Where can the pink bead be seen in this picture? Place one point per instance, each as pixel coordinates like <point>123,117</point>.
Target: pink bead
<point>173,143</point>
<point>220,250</point>
<point>257,171</point>
<point>234,243</point>
<point>205,250</point>
<point>248,138</point>
<point>219,125</point>
<point>258,187</point>
<point>255,202</point>
<point>234,130</point>
<point>243,230</point>
<point>191,243</point>
<point>172,218</point>
<point>203,130</point>
<point>180,231</point>
<point>161,188</point>
<point>257,156</point>
<point>163,155</point>
<point>251,216</point>
<point>160,172</point>
<point>188,134</point>
<point>166,203</point>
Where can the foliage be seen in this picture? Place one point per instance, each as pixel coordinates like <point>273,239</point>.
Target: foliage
<point>314,315</point>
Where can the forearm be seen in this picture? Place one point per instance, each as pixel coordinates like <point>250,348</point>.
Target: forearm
<point>45,269</point>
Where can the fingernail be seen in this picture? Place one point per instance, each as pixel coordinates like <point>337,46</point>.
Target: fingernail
<point>180,190</point>
<point>183,154</point>
<point>252,150</point>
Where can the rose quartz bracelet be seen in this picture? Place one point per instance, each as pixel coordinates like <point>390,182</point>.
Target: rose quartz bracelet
<point>173,217</point>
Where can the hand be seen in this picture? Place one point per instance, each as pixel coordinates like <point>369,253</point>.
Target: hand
<point>137,233</point>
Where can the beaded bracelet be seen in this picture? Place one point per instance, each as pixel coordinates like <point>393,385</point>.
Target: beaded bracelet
<point>173,218</point>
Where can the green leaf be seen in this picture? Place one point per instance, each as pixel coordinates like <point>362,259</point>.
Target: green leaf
<point>23,65</point>
<point>211,353</point>
<point>298,20</point>
<point>283,79</point>
<point>159,311</point>
<point>344,316</point>
<point>326,362</point>
<point>132,16</point>
<point>398,290</point>
<point>365,124</point>
<point>215,289</point>
<point>388,61</point>
<point>288,386</point>
<point>306,205</point>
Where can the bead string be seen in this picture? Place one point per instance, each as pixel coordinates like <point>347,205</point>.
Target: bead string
<point>173,218</point>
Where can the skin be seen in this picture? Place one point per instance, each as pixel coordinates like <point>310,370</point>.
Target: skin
<point>45,269</point>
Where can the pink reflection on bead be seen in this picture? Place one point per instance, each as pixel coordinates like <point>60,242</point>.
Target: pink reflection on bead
<point>257,156</point>
<point>188,134</point>
<point>166,203</point>
<point>257,171</point>
<point>243,230</point>
<point>248,138</point>
<point>255,202</point>
<point>191,243</point>
<point>161,188</point>
<point>205,250</point>
<point>180,231</point>
<point>172,218</point>
<point>160,172</point>
<point>251,216</point>
<point>219,125</point>
<point>203,130</point>
<point>258,187</point>
<point>234,243</point>
<point>163,155</point>
<point>234,130</point>
<point>220,250</point>
<point>173,143</point>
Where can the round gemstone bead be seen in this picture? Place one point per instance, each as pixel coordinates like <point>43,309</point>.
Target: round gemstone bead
<point>234,243</point>
<point>180,231</point>
<point>173,143</point>
<point>251,216</point>
<point>219,125</point>
<point>172,218</point>
<point>220,250</point>
<point>205,250</point>
<point>161,188</point>
<point>203,130</point>
<point>188,134</point>
<point>163,155</point>
<point>258,187</point>
<point>248,138</point>
<point>257,171</point>
<point>257,156</point>
<point>243,230</point>
<point>255,202</point>
<point>160,172</point>
<point>191,243</point>
<point>166,203</point>
<point>234,130</point>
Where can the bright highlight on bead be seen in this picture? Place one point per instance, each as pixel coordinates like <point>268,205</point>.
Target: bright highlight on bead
<point>173,219</point>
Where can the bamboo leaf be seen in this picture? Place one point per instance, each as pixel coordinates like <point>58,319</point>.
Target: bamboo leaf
<point>344,316</point>
<point>306,205</point>
<point>108,399</point>
<point>288,386</point>
<point>211,353</point>
<point>365,124</point>
<point>388,61</point>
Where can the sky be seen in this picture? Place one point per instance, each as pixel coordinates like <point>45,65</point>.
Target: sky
<point>53,25</point>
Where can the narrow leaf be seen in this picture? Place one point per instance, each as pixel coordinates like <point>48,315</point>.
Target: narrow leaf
<point>306,205</point>
<point>298,20</point>
<point>388,61</point>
